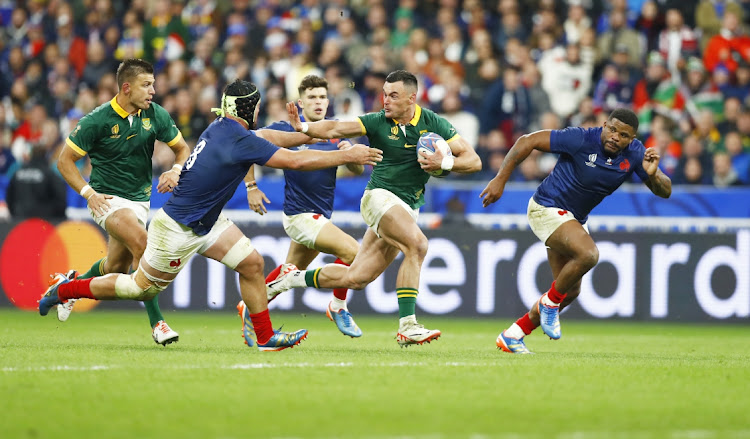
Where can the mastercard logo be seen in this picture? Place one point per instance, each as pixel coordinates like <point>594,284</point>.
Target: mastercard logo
<point>36,249</point>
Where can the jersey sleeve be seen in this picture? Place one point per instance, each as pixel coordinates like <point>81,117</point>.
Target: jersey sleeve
<point>370,121</point>
<point>254,149</point>
<point>280,126</point>
<point>444,129</point>
<point>566,141</point>
<point>84,136</point>
<point>166,129</point>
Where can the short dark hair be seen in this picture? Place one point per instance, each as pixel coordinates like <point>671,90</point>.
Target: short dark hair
<point>130,68</point>
<point>312,81</point>
<point>625,116</point>
<point>245,106</point>
<point>407,78</point>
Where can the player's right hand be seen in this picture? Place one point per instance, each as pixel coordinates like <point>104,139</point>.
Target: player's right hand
<point>98,203</point>
<point>255,199</point>
<point>363,155</point>
<point>492,192</point>
<point>291,109</point>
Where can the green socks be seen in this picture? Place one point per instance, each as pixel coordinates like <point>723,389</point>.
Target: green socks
<point>152,306</point>
<point>407,301</point>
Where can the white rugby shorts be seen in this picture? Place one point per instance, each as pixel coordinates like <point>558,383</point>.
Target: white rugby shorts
<point>376,202</point>
<point>304,227</point>
<point>545,220</point>
<point>140,208</point>
<point>171,245</point>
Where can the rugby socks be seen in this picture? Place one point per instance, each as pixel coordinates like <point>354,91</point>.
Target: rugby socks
<point>340,293</point>
<point>521,328</point>
<point>273,274</point>
<point>311,278</point>
<point>553,297</point>
<point>154,313</point>
<point>262,326</point>
<point>96,270</point>
<point>407,301</point>
<point>75,289</point>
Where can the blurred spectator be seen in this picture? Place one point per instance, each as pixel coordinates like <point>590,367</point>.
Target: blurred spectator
<point>698,92</point>
<point>69,44</point>
<point>739,156</point>
<point>507,106</point>
<point>677,42</point>
<point>566,79</point>
<point>165,37</point>
<point>99,64</point>
<point>656,93</point>
<point>706,131</point>
<point>611,91</point>
<point>695,165</point>
<point>577,21</point>
<point>650,24</point>
<point>372,91</point>
<point>663,140</point>
<point>724,173</point>
<point>731,112</point>
<point>739,86</point>
<point>728,46</point>
<point>35,190</point>
<point>465,122</point>
<point>709,15</point>
<point>619,33</point>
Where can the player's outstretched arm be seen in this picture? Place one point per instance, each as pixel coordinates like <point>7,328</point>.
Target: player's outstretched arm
<point>324,129</point>
<point>311,160</point>
<point>521,149</point>
<point>283,139</point>
<point>657,182</point>
<point>354,168</point>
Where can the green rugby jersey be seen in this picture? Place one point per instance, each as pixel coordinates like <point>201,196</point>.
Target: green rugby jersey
<point>399,172</point>
<point>120,151</point>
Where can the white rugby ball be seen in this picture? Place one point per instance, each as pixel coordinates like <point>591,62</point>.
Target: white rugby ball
<point>429,142</point>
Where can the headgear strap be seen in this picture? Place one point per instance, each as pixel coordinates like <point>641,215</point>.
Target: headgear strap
<point>229,106</point>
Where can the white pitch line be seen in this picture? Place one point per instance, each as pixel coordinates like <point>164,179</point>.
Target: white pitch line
<point>246,366</point>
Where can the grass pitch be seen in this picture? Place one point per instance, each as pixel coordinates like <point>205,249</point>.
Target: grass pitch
<point>100,375</point>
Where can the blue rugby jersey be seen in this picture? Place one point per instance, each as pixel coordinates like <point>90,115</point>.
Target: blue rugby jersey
<point>219,162</point>
<point>584,174</point>
<point>309,191</point>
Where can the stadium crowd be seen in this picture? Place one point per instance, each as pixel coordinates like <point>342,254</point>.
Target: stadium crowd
<point>496,69</point>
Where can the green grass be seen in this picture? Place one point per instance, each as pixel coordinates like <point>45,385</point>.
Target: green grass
<point>100,375</point>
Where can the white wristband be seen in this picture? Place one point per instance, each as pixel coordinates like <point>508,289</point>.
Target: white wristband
<point>86,189</point>
<point>305,127</point>
<point>177,166</point>
<point>447,163</point>
<point>251,185</point>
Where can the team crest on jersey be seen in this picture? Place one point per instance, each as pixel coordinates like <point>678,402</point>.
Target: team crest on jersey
<point>115,131</point>
<point>592,160</point>
<point>146,123</point>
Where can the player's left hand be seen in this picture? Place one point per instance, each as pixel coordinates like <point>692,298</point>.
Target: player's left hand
<point>651,161</point>
<point>291,109</point>
<point>255,199</point>
<point>168,181</point>
<point>430,162</point>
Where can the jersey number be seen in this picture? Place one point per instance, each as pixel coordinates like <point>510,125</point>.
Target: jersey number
<point>198,148</point>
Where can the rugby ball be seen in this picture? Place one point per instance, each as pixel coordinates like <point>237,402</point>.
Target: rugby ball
<point>429,142</point>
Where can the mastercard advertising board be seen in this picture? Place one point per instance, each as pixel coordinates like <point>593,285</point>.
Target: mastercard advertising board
<point>35,249</point>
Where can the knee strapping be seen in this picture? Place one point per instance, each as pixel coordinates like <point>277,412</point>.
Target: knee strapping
<point>126,287</point>
<point>239,251</point>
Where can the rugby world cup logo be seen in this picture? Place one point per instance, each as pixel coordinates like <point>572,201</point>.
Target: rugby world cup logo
<point>592,160</point>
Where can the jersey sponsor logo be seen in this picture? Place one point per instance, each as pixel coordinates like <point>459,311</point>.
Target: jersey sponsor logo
<point>609,161</point>
<point>130,136</point>
<point>592,160</point>
<point>75,131</point>
<point>146,123</point>
<point>625,165</point>
<point>175,264</point>
<point>409,146</point>
<point>115,130</point>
